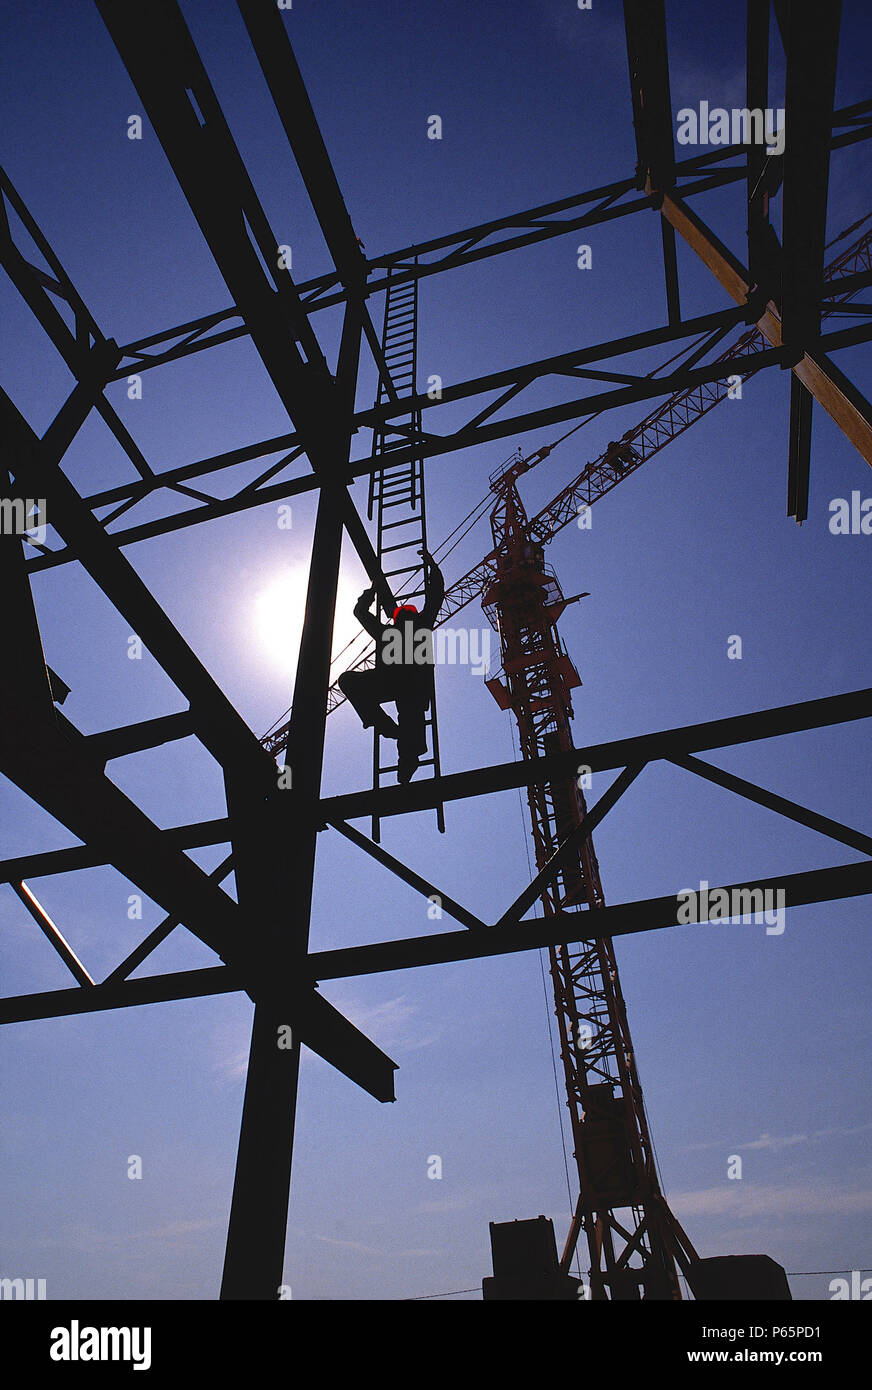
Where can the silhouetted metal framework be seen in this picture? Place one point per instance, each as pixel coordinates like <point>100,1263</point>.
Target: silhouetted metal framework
<point>272,833</point>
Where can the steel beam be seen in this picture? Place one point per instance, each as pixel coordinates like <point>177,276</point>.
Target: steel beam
<point>624,919</point>
<point>602,757</point>
<point>466,247</point>
<point>569,846</point>
<point>566,364</point>
<point>402,871</point>
<point>764,173</point>
<point>811,44</point>
<point>268,852</point>
<point>621,919</point>
<point>781,804</point>
<point>174,87</point>
<point>124,994</point>
<point>799,450</point>
<point>159,934</point>
<point>648,60</point>
<point>147,733</point>
<point>812,368</point>
<point>218,725</point>
<point>66,861</point>
<point>44,755</point>
<point>52,934</point>
<point>77,345</point>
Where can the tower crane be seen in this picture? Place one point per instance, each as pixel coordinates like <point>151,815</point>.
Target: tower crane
<point>635,1243</point>
<point>600,475</point>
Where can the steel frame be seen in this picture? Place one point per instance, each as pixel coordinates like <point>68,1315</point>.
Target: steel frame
<point>64,771</point>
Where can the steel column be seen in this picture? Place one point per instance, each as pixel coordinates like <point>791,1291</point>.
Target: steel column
<point>259,1211</point>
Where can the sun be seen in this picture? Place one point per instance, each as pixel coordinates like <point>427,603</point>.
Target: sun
<point>279,610</point>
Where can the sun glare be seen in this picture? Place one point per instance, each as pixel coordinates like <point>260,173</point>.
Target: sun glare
<point>280,607</point>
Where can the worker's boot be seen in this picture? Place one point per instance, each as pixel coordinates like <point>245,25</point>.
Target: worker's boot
<point>407,766</point>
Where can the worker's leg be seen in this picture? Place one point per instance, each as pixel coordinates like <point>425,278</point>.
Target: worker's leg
<point>412,740</point>
<point>365,691</point>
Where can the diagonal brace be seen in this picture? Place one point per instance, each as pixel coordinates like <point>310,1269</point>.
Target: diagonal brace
<point>569,846</point>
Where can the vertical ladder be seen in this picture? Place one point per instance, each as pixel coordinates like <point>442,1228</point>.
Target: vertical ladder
<point>396,493</point>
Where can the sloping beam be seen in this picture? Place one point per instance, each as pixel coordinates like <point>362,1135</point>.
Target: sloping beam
<point>279,65</point>
<point>166,69</point>
<point>36,464</point>
<point>75,345</point>
<point>813,367</point>
<point>402,871</point>
<point>66,861</point>
<point>571,844</point>
<point>52,934</point>
<point>147,733</point>
<point>124,994</point>
<point>285,81</point>
<point>780,804</point>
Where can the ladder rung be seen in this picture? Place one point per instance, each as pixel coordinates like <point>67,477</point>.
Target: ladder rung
<point>397,474</point>
<point>403,545</point>
<point>406,569</point>
<point>392,525</point>
<point>394,483</point>
<point>393,473</point>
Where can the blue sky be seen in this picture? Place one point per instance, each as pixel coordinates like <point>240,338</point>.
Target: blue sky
<point>746,1043</point>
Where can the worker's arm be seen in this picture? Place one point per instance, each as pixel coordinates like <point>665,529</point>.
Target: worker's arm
<point>435,589</point>
<point>368,621</point>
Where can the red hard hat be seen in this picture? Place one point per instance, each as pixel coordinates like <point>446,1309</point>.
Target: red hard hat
<point>404,608</point>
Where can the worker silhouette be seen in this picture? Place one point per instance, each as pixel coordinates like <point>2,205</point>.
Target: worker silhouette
<point>621,455</point>
<point>403,672</point>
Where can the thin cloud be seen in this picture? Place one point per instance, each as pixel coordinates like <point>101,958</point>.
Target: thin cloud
<point>392,1024</point>
<point>774,1142</point>
<point>750,1201</point>
<point>371,1250</point>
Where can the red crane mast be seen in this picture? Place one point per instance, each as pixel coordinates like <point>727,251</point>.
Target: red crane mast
<point>632,1255</point>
